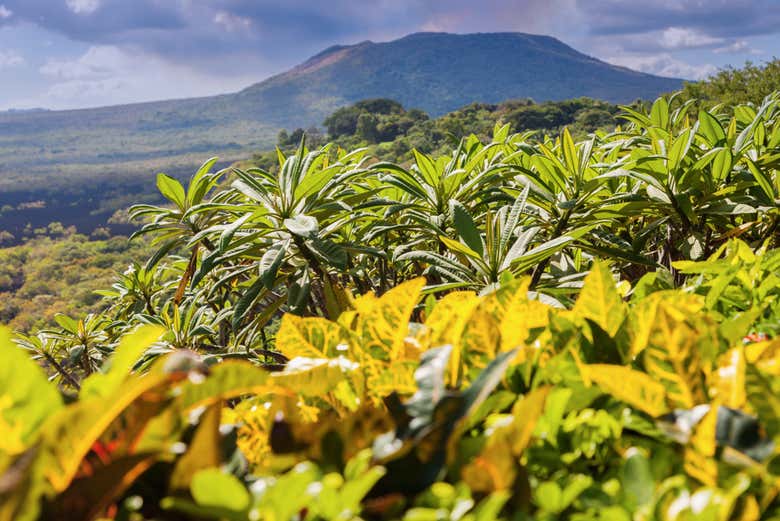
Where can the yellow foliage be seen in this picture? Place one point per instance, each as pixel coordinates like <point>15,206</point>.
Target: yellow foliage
<point>599,300</point>
<point>674,342</point>
<point>492,470</point>
<point>446,323</point>
<point>311,337</point>
<point>382,323</point>
<point>729,379</point>
<point>633,387</point>
<point>699,455</point>
<point>643,315</point>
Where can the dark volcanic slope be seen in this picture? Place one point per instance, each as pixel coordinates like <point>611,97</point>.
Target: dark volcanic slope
<point>440,72</point>
<point>435,72</point>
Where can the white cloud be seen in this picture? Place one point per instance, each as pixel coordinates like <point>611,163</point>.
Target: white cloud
<point>99,62</point>
<point>10,59</point>
<point>685,38</point>
<point>83,6</point>
<point>232,22</point>
<point>109,75</point>
<point>737,47</point>
<point>5,12</point>
<point>664,65</point>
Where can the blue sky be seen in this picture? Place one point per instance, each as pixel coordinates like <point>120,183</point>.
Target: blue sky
<point>80,53</point>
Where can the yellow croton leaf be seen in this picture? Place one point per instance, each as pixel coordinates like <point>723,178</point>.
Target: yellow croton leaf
<point>729,379</point>
<point>381,325</point>
<point>636,388</point>
<point>642,319</point>
<point>446,323</point>
<point>492,470</point>
<point>483,335</point>
<point>383,379</point>
<point>526,413</point>
<point>27,399</point>
<point>700,453</point>
<point>600,301</point>
<point>765,355</point>
<point>520,319</point>
<point>314,376</point>
<point>311,337</point>
<point>674,345</point>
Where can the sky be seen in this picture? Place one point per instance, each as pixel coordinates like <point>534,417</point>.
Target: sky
<point>64,54</point>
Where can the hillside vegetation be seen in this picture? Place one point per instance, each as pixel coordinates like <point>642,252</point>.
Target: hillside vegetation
<point>391,132</point>
<point>60,273</point>
<point>524,327</point>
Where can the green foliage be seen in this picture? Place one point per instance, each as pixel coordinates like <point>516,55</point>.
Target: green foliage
<point>47,276</point>
<point>520,328</point>
<point>732,86</point>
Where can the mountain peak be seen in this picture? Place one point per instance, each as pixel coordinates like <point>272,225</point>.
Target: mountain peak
<point>440,72</point>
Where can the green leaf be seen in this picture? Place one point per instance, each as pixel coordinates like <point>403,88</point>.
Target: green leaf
<point>244,304</point>
<point>637,478</point>
<point>659,114</point>
<point>214,488</point>
<point>172,190</point>
<point>121,362</point>
<point>761,179</point>
<point>28,399</point>
<point>460,248</point>
<point>549,497</point>
<point>329,252</point>
<point>464,225</point>
<point>721,165</point>
<point>66,323</point>
<point>711,129</point>
<point>270,262</point>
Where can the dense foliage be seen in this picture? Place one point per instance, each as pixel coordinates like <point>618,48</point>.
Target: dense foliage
<point>751,83</point>
<point>60,273</point>
<point>391,132</point>
<point>523,328</point>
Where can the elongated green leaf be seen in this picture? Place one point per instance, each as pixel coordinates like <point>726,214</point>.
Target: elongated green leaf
<point>27,398</point>
<point>121,363</point>
<point>244,304</point>
<point>270,263</point>
<point>172,190</point>
<point>761,179</point>
<point>711,129</point>
<point>466,228</point>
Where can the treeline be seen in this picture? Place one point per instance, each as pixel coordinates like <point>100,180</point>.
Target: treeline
<point>732,86</point>
<point>391,130</point>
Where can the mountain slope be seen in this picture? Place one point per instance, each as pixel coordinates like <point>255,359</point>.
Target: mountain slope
<point>440,72</point>
<point>435,72</point>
